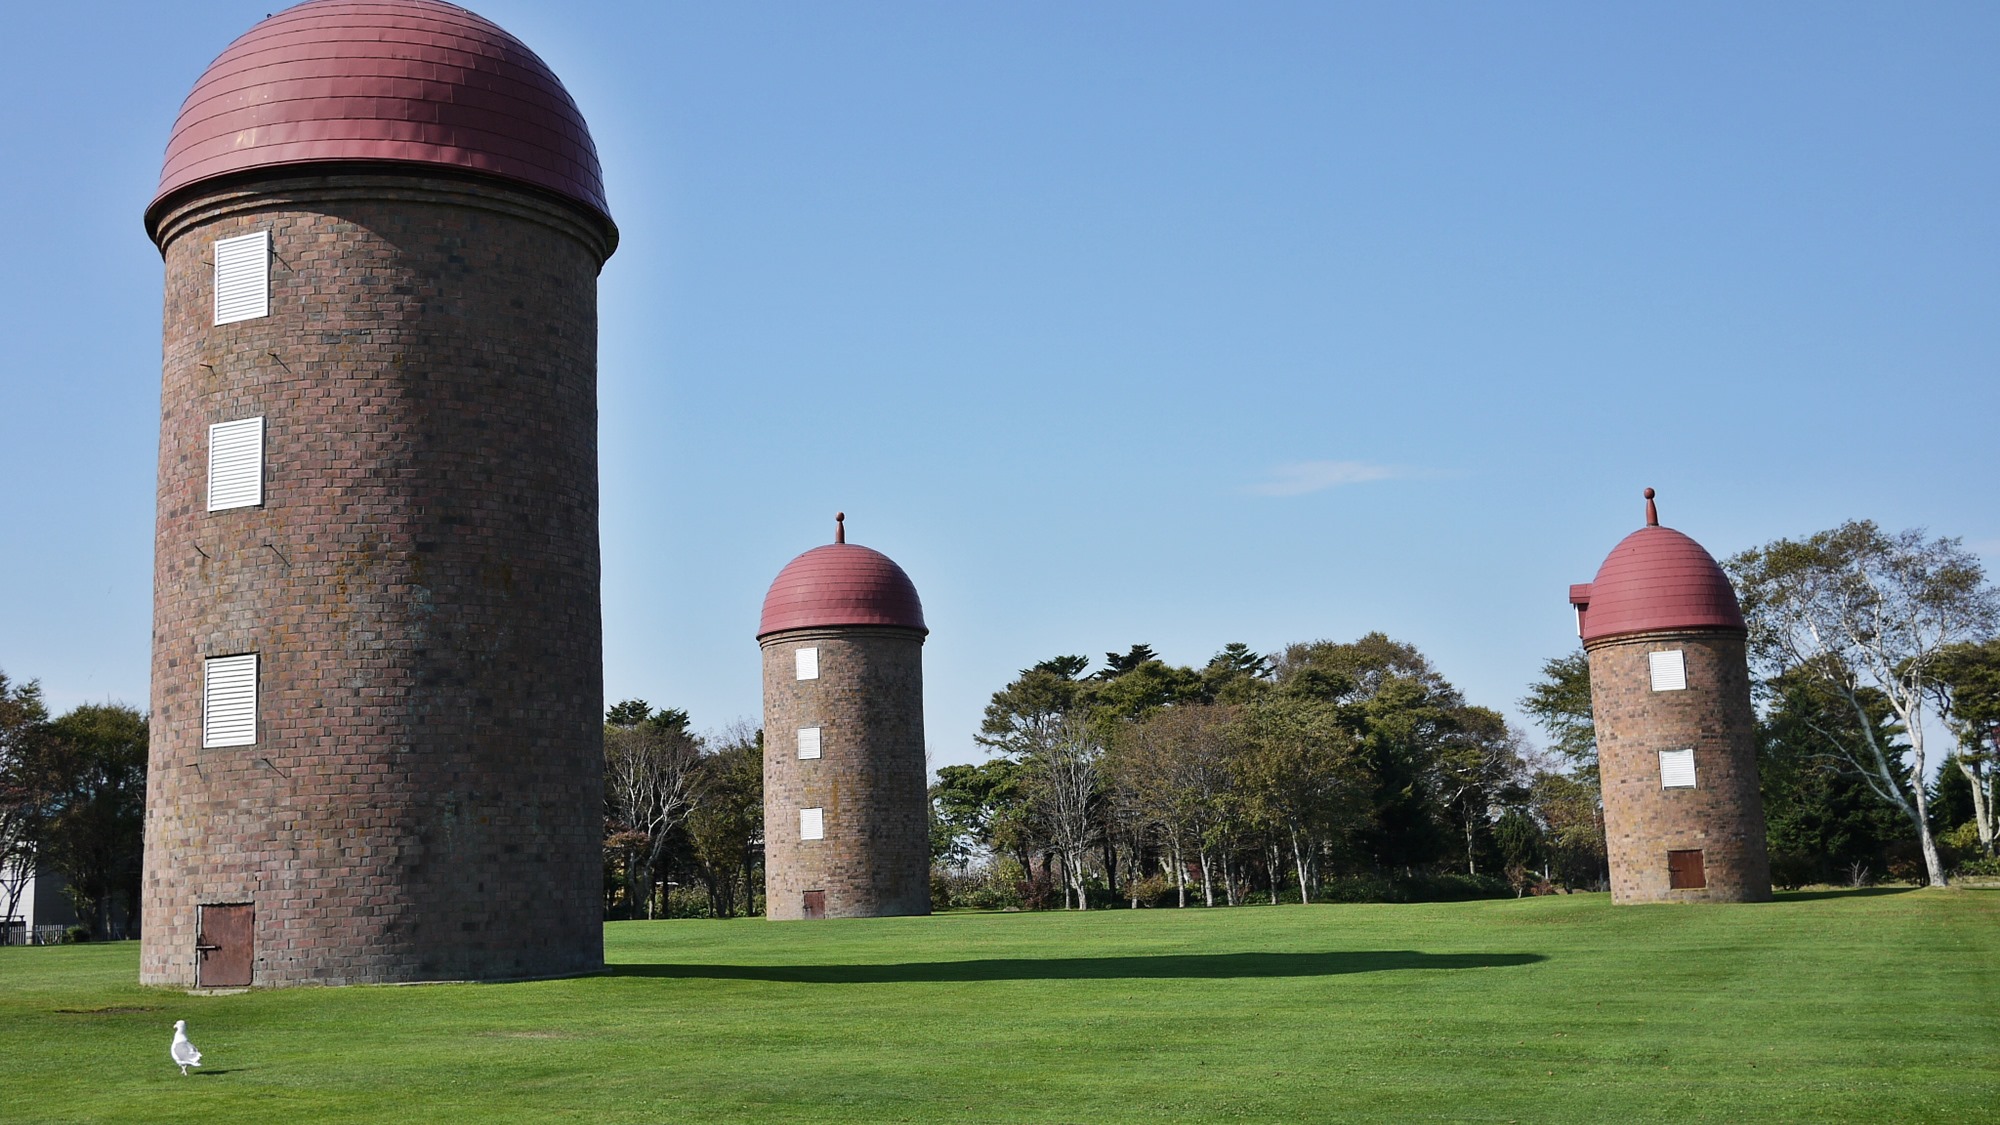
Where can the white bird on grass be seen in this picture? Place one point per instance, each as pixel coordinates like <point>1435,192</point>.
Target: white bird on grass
<point>183,1052</point>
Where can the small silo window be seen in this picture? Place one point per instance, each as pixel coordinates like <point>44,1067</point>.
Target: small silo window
<point>1670,672</point>
<point>808,742</point>
<point>236,464</point>
<point>242,277</point>
<point>808,663</point>
<point>1677,769</point>
<point>1685,871</point>
<point>812,824</point>
<point>229,700</point>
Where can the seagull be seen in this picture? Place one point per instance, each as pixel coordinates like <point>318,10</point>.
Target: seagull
<point>183,1052</point>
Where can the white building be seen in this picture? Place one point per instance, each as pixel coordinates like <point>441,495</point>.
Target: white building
<point>41,912</point>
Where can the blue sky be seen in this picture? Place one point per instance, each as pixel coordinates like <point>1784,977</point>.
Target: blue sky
<point>1170,323</point>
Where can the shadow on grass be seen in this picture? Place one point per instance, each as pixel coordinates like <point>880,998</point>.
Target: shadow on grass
<point>1164,967</point>
<point>1843,892</point>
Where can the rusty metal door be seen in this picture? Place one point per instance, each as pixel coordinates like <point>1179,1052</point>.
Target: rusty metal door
<point>224,946</point>
<point>815,906</point>
<point>1684,871</point>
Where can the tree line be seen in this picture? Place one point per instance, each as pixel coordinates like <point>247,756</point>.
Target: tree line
<point>681,810</point>
<point>72,803</point>
<point>1355,770</point>
<point>1864,641</point>
<point>1327,769</point>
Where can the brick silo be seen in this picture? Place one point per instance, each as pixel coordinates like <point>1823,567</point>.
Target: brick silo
<point>377,654</point>
<point>1676,738</point>
<point>846,806</point>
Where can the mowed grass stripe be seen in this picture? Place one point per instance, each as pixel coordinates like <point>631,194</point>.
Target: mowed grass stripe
<point>1843,1007</point>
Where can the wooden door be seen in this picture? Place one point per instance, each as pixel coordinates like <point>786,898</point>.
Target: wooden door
<point>224,946</point>
<point>1684,871</point>
<point>815,905</point>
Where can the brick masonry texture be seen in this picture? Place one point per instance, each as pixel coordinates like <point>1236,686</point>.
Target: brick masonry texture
<point>424,799</point>
<point>1723,815</point>
<point>870,777</point>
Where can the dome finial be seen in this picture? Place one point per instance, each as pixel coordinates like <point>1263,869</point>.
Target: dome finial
<point>1652,510</point>
<point>840,527</point>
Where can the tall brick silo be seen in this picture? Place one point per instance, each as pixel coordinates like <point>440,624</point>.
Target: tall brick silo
<point>377,653</point>
<point>846,807</point>
<point>1676,738</point>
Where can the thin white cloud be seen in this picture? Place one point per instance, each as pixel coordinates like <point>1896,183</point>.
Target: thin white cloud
<point>1301,477</point>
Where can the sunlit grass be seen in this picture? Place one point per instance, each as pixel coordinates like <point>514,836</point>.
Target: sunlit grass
<point>1845,1006</point>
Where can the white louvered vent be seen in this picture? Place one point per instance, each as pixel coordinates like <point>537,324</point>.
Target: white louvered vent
<point>1670,670</point>
<point>1677,769</point>
<point>242,277</point>
<point>808,742</point>
<point>236,464</point>
<point>229,700</point>
<point>812,824</point>
<point>808,660</point>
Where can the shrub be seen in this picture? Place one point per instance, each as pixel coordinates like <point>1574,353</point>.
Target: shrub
<point>993,887</point>
<point>1906,863</point>
<point>1153,890</point>
<point>1449,886</point>
<point>1036,891</point>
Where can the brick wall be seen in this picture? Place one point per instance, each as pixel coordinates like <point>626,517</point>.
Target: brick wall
<point>1723,815</point>
<point>870,777</point>
<point>421,584</point>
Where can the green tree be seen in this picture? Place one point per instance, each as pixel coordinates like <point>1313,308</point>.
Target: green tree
<point>727,824</point>
<point>1863,611</point>
<point>1564,795</point>
<point>1822,821</point>
<point>1117,664</point>
<point>95,832</point>
<point>1403,711</point>
<point>1967,695</point>
<point>1559,703</point>
<point>1300,780</point>
<point>1951,799</point>
<point>984,806</point>
<point>1141,689</point>
<point>652,783</point>
<point>1019,716</point>
<point>1521,843</point>
<point>1174,767</point>
<point>629,713</point>
<point>1572,816</point>
<point>26,791</point>
<point>1066,791</point>
<point>1479,768</point>
<point>1236,674</point>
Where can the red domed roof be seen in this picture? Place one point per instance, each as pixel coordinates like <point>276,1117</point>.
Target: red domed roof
<point>841,584</point>
<point>396,81</point>
<point>1655,579</point>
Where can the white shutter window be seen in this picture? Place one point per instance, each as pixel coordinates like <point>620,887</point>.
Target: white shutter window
<point>808,742</point>
<point>808,663</point>
<point>242,277</point>
<point>236,464</point>
<point>1670,671</point>
<point>812,824</point>
<point>229,700</point>
<point>1677,769</point>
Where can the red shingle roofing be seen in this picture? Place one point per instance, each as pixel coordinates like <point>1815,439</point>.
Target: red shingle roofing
<point>1655,579</point>
<point>396,81</point>
<point>841,584</point>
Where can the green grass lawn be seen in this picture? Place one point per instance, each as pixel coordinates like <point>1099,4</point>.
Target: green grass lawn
<point>1848,1006</point>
